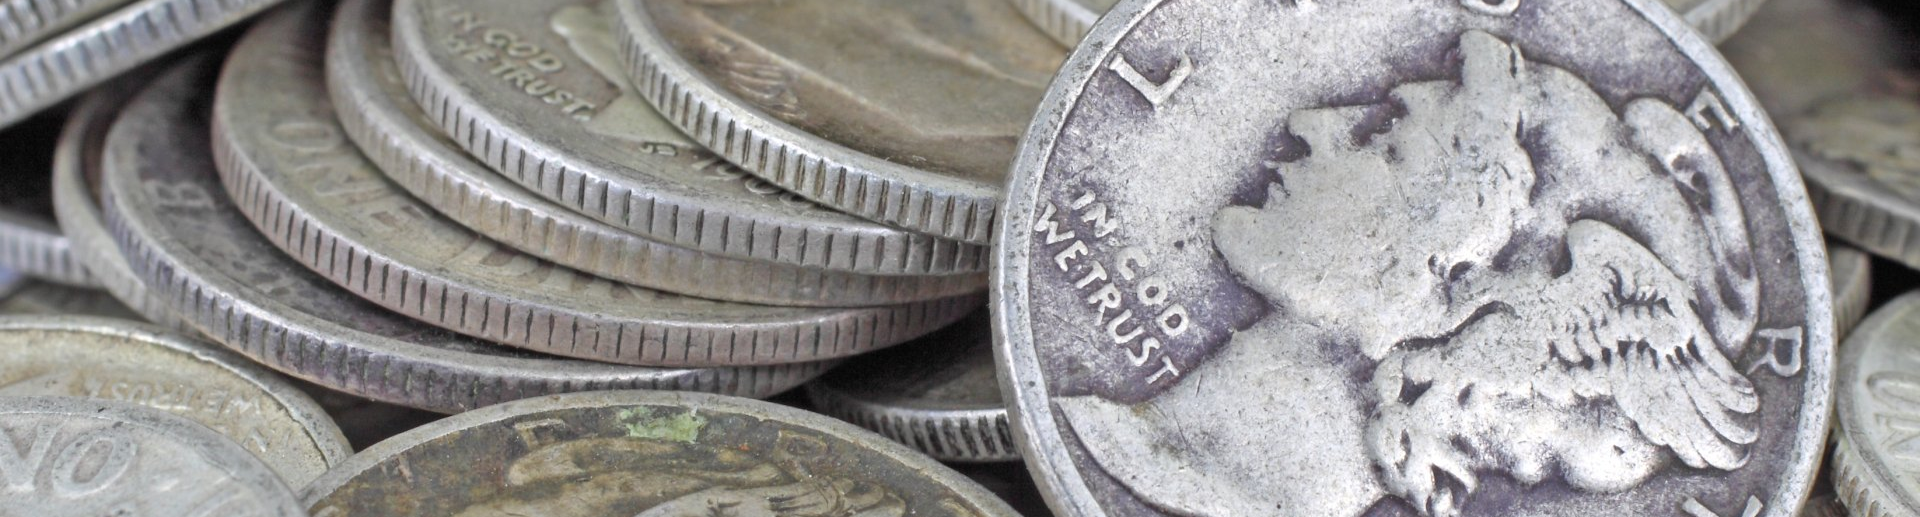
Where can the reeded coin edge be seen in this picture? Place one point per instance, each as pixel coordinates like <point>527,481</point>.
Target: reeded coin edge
<point>580,182</point>
<point>915,462</point>
<point>1869,216</point>
<point>812,167</point>
<point>24,22</point>
<point>958,435</point>
<point>35,247</point>
<point>1861,495</point>
<point>1853,293</point>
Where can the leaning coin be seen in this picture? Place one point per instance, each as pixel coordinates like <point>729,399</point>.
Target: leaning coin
<point>1469,263</point>
<point>80,457</point>
<point>395,135</point>
<point>1852,276</point>
<point>30,242</point>
<point>534,89</point>
<point>144,365</point>
<point>189,242</point>
<point>25,22</point>
<point>906,113</point>
<point>1879,405</point>
<point>323,202</point>
<point>645,454</point>
<point>936,394</point>
<point>90,54</point>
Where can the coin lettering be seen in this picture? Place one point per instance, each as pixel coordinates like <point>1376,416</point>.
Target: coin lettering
<point>515,61</point>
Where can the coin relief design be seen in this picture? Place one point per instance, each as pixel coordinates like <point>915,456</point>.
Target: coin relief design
<point>1503,269</point>
<point>1879,408</point>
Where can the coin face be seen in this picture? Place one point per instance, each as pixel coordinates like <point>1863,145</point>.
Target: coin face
<point>1466,261</point>
<point>71,456</point>
<point>936,394</point>
<point>122,361</point>
<point>1879,403</point>
<point>905,113</point>
<point>645,454</point>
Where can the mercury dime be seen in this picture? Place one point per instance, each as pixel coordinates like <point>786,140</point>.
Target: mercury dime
<point>192,245</point>
<point>936,394</point>
<point>534,89</point>
<point>70,456</point>
<point>25,22</point>
<point>1468,259</point>
<point>108,46</point>
<point>1879,406</point>
<point>906,113</point>
<point>647,454</point>
<point>395,135</point>
<point>1852,275</point>
<point>143,365</point>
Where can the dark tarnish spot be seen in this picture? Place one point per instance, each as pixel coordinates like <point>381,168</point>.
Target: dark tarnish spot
<point>1465,395</point>
<point>1412,391</point>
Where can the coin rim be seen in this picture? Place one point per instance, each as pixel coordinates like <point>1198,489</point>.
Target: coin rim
<point>1861,476</point>
<point>33,245</point>
<point>976,435</point>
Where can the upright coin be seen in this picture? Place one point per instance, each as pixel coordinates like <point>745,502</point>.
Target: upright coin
<point>936,394</point>
<point>396,135</point>
<point>1879,399</point>
<point>79,457</point>
<point>906,113</point>
<point>1852,274</point>
<point>30,242</point>
<point>143,365</point>
<point>646,454</point>
<point>190,243</point>
<point>1468,261</point>
<point>25,22</point>
<point>90,54</point>
<point>534,89</point>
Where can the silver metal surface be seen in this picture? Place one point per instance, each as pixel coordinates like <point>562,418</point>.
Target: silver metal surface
<point>33,245</point>
<point>1879,403</point>
<point>1852,274</point>
<point>936,394</point>
<point>29,296</point>
<point>25,22</point>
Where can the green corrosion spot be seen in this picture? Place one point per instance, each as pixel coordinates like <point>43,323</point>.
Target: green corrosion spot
<point>641,423</point>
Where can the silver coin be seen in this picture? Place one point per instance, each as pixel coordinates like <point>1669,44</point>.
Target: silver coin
<point>1852,275</point>
<point>33,245</point>
<point>906,113</point>
<point>1879,406</point>
<point>648,454</point>
<point>30,242</point>
<point>143,365</point>
<point>395,135</point>
<point>76,197</point>
<point>81,457</point>
<point>29,296</point>
<point>548,107</point>
<point>936,394</point>
<point>108,46</point>
<point>25,22</point>
<point>190,243</point>
<point>287,162</point>
<point>1374,198</point>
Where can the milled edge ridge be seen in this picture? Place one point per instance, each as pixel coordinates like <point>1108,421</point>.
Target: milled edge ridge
<point>967,436</point>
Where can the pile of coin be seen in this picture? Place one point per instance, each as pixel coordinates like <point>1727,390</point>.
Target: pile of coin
<point>1427,258</point>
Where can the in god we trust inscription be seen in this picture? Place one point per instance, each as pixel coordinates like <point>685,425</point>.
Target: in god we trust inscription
<point>1535,257</point>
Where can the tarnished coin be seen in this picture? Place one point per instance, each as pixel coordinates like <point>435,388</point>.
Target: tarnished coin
<point>110,45</point>
<point>29,296</point>
<point>936,394</point>
<point>1469,263</point>
<point>1879,406</point>
<point>906,113</point>
<point>143,365</point>
<point>30,242</point>
<point>1852,275</point>
<point>189,242</point>
<point>288,164</point>
<point>394,133</point>
<point>534,89</point>
<point>25,22</point>
<point>647,454</point>
<point>81,457</point>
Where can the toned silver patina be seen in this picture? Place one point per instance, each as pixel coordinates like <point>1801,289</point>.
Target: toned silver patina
<point>190,243</point>
<point>534,90</point>
<point>936,394</point>
<point>1879,406</point>
<point>906,113</point>
<point>74,456</point>
<point>25,22</point>
<point>143,365</point>
<point>90,54</point>
<point>396,135</point>
<point>1472,262</point>
<point>1852,273</point>
<point>645,454</point>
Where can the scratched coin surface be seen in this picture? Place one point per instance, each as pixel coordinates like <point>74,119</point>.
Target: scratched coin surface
<point>188,241</point>
<point>1471,263</point>
<point>398,137</point>
<point>25,22</point>
<point>647,454</point>
<point>936,394</point>
<point>906,113</point>
<point>1879,406</point>
<point>144,365</point>
<point>74,456</point>
<point>534,90</point>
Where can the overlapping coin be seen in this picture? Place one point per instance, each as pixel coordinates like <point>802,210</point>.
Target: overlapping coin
<point>936,394</point>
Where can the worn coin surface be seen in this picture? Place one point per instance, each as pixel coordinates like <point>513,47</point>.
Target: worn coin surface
<point>25,22</point>
<point>22,295</point>
<point>534,89</point>
<point>1879,406</point>
<point>645,454</point>
<point>189,241</point>
<point>144,365</point>
<point>74,456</point>
<point>906,113</point>
<point>1852,275</point>
<point>1467,260</point>
<point>98,50</point>
<point>288,164</point>
<point>936,394</point>
<point>396,135</point>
